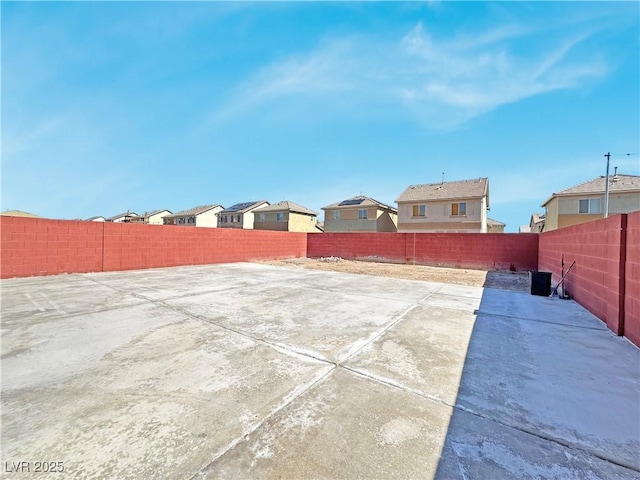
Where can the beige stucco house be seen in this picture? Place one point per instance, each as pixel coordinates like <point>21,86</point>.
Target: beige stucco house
<point>240,215</point>
<point>360,214</point>
<point>459,206</point>
<point>203,216</point>
<point>585,202</point>
<point>285,216</point>
<point>153,217</point>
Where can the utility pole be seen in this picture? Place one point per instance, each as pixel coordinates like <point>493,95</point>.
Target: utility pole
<point>606,187</point>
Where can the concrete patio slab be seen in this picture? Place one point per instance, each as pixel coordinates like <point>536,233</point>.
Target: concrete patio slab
<point>425,352</point>
<point>346,427</point>
<point>543,309</point>
<point>256,371</point>
<point>323,324</point>
<point>49,298</point>
<point>160,404</point>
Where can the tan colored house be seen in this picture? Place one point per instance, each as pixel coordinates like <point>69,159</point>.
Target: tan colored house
<point>122,217</point>
<point>203,216</point>
<point>360,214</point>
<point>239,215</point>
<point>153,217</point>
<point>459,206</point>
<point>494,226</point>
<point>585,202</point>
<point>285,216</point>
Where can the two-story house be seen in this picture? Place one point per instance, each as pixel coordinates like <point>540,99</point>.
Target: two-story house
<point>360,214</point>
<point>459,206</point>
<point>285,216</point>
<point>203,216</point>
<point>584,202</point>
<point>240,215</point>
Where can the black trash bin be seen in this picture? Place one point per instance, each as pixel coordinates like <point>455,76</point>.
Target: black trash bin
<point>540,283</point>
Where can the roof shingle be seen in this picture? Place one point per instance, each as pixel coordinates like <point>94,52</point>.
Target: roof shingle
<point>193,211</point>
<point>243,207</point>
<point>365,202</point>
<point>618,183</point>
<point>476,188</point>
<point>287,206</point>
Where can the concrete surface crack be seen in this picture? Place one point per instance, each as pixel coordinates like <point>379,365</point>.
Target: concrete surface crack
<point>461,408</point>
<point>357,346</point>
<point>515,317</point>
<point>290,397</point>
<point>282,348</point>
<point>548,438</point>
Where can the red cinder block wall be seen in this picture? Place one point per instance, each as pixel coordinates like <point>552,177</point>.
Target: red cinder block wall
<point>30,246</point>
<point>632,280</point>
<point>34,246</point>
<point>458,250</point>
<point>597,280</point>
<point>364,246</point>
<point>131,246</point>
<point>499,251</point>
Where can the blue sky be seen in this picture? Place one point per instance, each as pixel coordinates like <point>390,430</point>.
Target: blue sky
<point>115,106</point>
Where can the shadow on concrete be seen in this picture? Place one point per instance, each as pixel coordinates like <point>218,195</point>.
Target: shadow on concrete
<point>546,391</point>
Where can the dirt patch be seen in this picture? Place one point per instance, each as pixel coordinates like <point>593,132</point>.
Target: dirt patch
<point>518,281</point>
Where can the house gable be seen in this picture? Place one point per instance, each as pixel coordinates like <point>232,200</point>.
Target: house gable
<point>459,206</point>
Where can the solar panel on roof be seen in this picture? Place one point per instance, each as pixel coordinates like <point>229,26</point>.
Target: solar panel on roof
<point>239,206</point>
<point>353,201</point>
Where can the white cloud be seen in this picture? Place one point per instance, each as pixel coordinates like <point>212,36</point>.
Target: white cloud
<point>442,83</point>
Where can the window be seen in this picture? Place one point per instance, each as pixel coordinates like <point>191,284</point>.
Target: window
<point>459,209</point>
<point>336,214</point>
<point>223,219</point>
<point>279,217</point>
<point>191,220</point>
<point>590,205</point>
<point>238,218</point>
<point>363,214</point>
<point>419,210</point>
<point>261,217</point>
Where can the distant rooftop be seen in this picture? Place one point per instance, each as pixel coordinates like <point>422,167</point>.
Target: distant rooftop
<point>120,215</point>
<point>360,201</point>
<point>19,213</point>
<point>193,211</point>
<point>287,206</point>
<point>618,183</point>
<point>243,207</point>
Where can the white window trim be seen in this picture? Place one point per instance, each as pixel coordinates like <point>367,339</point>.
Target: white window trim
<point>459,214</point>
<point>589,209</point>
